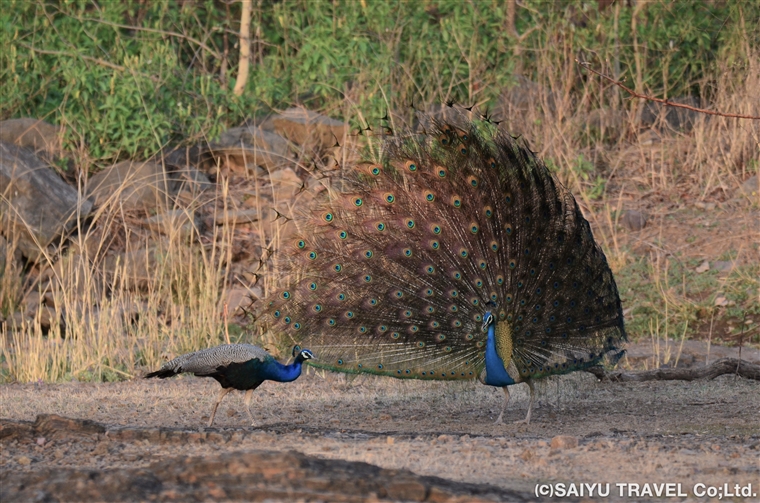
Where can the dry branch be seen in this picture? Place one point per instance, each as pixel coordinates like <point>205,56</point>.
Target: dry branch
<point>717,368</point>
<point>245,47</point>
<point>668,103</point>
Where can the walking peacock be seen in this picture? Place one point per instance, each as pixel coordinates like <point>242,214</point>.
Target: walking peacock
<point>235,366</point>
<point>457,256</point>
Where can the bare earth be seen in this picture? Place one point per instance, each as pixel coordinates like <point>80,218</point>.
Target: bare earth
<point>657,432</point>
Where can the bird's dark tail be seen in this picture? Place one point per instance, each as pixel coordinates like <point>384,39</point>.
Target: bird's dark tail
<point>161,373</point>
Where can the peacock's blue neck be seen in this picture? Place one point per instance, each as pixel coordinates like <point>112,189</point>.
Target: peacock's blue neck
<point>496,373</point>
<point>276,371</point>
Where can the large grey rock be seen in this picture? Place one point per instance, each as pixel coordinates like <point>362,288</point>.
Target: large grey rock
<point>133,185</point>
<point>244,148</point>
<point>306,128</point>
<point>36,204</point>
<point>32,133</point>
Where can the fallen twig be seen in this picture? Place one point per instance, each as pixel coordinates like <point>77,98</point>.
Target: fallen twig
<point>717,368</point>
<point>668,103</point>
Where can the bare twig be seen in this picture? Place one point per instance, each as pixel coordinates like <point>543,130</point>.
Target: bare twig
<point>245,47</point>
<point>668,103</point>
<point>717,368</point>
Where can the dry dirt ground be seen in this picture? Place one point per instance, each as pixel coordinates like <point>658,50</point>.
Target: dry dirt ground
<point>433,441</point>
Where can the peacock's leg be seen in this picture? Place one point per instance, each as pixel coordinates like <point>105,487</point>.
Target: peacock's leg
<point>222,393</point>
<point>503,405</point>
<point>247,403</point>
<point>529,382</point>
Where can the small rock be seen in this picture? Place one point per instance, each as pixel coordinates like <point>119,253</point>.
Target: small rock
<point>750,188</point>
<point>634,220</point>
<point>703,267</point>
<point>564,442</point>
<point>24,461</point>
<point>527,455</point>
<point>33,133</point>
<point>390,441</point>
<point>41,441</point>
<point>705,206</point>
<point>721,301</point>
<point>723,265</point>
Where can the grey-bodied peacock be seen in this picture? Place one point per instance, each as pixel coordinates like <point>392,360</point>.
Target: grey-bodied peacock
<point>457,256</point>
<point>235,366</point>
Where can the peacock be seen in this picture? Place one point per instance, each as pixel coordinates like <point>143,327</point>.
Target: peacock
<point>458,255</point>
<point>235,366</point>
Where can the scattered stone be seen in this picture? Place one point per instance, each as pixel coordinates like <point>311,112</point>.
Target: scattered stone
<point>133,269</point>
<point>703,267</point>
<point>705,206</point>
<point>720,301</point>
<point>24,461</point>
<point>564,442</point>
<point>634,220</point>
<point>181,222</point>
<point>40,206</point>
<point>31,133</point>
<point>41,441</point>
<point>132,185</point>
<point>237,217</point>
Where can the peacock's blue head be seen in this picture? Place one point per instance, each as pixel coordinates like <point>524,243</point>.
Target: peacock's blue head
<point>305,354</point>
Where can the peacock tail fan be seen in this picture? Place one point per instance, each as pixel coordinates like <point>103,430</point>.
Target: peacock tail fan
<point>395,276</point>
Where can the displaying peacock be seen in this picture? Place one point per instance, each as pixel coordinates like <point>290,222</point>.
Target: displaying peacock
<point>235,366</point>
<point>457,256</point>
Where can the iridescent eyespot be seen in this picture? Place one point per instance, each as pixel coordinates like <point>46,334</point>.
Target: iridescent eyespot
<point>508,198</point>
<point>286,319</point>
<point>492,163</point>
<point>367,278</point>
<point>328,217</point>
<point>349,314</point>
<point>512,264</point>
<point>368,253</point>
<point>441,172</point>
<point>474,229</point>
<point>473,181</point>
<point>341,296</point>
<point>301,244</point>
<point>429,293</point>
<point>277,314</point>
<point>411,166</point>
<point>420,344</point>
<point>363,330</point>
<point>456,275</point>
<point>381,226</point>
<point>312,255</point>
<point>331,322</point>
<point>435,245</point>
<point>390,198</point>
<point>441,337</point>
<point>508,229</point>
<point>494,246</point>
<point>285,295</point>
<point>317,308</point>
<point>297,326</point>
<point>488,211</point>
<point>340,362</point>
<point>436,229</point>
<point>463,150</point>
<point>430,269</point>
<point>399,294</point>
<point>448,350</point>
<point>338,267</point>
<point>358,201</point>
<point>430,197</point>
<point>456,202</point>
<point>482,264</point>
<point>463,253</point>
<point>410,223</point>
<point>372,302</point>
<point>469,337</point>
<point>499,280</point>
<point>407,252</point>
<point>343,234</point>
<point>312,286</point>
<point>395,335</point>
<point>375,171</point>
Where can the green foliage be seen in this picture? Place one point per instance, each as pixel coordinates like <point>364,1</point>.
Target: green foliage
<point>125,93</point>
